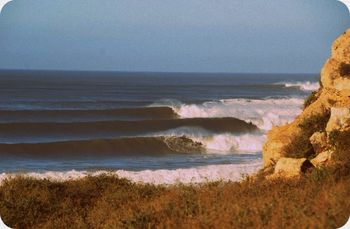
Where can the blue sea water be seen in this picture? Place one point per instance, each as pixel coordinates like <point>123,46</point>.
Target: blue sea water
<point>61,121</point>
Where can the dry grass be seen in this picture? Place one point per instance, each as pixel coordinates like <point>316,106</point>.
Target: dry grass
<point>318,200</point>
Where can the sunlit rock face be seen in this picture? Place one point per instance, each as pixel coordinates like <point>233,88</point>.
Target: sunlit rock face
<point>341,48</point>
<point>336,71</point>
<point>339,120</point>
<point>308,136</point>
<point>319,141</point>
<point>291,167</point>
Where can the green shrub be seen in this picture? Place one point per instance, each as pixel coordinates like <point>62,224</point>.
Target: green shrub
<point>301,146</point>
<point>315,123</point>
<point>310,99</point>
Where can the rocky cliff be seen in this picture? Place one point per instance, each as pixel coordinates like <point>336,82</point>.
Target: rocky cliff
<point>322,130</point>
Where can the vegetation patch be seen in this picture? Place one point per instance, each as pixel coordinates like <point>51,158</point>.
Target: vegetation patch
<point>310,99</point>
<point>317,200</point>
<point>340,142</point>
<point>315,123</point>
<point>301,146</point>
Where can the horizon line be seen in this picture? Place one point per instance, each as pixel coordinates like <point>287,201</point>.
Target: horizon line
<point>156,72</point>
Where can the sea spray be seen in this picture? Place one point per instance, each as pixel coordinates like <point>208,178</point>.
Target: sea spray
<point>263,113</point>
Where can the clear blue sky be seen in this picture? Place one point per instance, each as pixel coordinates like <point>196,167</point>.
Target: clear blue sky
<point>167,35</point>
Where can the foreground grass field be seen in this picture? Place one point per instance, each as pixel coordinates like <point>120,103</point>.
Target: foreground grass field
<point>318,200</point>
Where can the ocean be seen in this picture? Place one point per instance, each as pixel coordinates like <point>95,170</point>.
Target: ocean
<point>150,127</point>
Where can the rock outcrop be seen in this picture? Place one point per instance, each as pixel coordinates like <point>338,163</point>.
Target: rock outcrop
<point>319,142</point>
<point>291,167</point>
<point>309,137</point>
<point>322,158</point>
<point>339,120</point>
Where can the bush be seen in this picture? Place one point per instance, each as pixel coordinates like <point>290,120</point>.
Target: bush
<point>310,99</point>
<point>301,146</point>
<point>315,123</point>
<point>341,145</point>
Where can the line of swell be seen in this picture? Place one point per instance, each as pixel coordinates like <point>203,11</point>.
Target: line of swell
<point>104,147</point>
<point>86,115</point>
<point>126,128</point>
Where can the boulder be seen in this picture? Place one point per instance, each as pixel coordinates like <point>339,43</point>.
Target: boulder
<point>319,141</point>
<point>322,158</point>
<point>339,120</point>
<point>291,167</point>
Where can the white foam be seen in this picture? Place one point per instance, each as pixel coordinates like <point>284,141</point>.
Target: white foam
<point>219,143</point>
<point>247,143</point>
<point>210,173</point>
<point>264,113</point>
<point>304,86</point>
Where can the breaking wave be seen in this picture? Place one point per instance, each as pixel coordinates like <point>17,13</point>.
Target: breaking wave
<point>210,173</point>
<point>225,143</point>
<point>264,113</point>
<point>170,142</point>
<point>247,143</point>
<point>304,86</point>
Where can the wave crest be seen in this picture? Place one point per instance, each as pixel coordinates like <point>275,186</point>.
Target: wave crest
<point>218,143</point>
<point>210,173</point>
<point>263,113</point>
<point>304,86</point>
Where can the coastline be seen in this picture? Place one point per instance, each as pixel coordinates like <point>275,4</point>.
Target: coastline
<point>283,194</point>
<point>185,176</point>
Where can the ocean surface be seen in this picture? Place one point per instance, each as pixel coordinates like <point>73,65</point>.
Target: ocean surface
<point>144,126</point>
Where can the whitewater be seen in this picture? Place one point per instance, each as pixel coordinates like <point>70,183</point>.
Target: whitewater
<point>232,172</point>
<point>227,155</point>
<point>263,113</point>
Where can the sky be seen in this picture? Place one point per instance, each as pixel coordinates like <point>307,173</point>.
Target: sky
<point>238,36</point>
